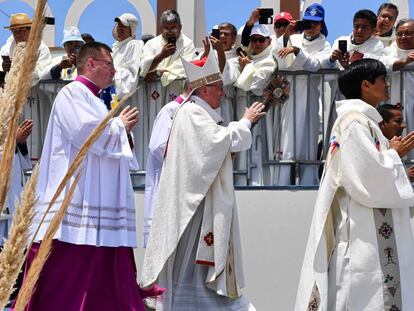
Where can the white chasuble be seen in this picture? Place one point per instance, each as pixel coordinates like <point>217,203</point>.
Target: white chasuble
<point>360,249</point>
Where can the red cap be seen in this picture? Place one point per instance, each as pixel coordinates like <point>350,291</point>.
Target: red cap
<point>283,16</point>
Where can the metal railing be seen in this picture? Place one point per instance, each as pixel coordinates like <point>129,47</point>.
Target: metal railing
<point>289,144</point>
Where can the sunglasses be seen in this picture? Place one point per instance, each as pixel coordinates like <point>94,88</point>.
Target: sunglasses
<point>257,39</point>
<point>280,25</point>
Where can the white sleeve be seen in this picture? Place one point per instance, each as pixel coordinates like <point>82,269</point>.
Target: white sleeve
<point>231,71</point>
<point>126,76</point>
<point>372,178</point>
<point>241,138</point>
<point>42,64</point>
<point>77,118</point>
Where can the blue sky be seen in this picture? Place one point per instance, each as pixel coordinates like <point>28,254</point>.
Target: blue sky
<point>98,17</point>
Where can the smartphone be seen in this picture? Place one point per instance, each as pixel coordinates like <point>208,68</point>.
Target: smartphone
<point>241,52</point>
<point>303,25</point>
<point>172,40</point>
<point>215,33</point>
<point>49,20</point>
<point>342,46</point>
<point>266,16</point>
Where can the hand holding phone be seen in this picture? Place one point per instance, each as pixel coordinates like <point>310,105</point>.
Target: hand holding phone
<point>6,63</point>
<point>215,33</point>
<point>172,40</point>
<point>241,52</point>
<point>342,46</point>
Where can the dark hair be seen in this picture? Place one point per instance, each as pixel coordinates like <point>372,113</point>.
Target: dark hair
<point>385,111</point>
<point>368,15</point>
<point>387,5</point>
<point>229,25</point>
<point>364,69</point>
<point>403,21</point>
<point>146,37</point>
<point>87,36</point>
<point>90,49</point>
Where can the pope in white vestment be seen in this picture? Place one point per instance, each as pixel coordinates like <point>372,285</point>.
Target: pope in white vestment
<point>360,248</point>
<point>194,244</point>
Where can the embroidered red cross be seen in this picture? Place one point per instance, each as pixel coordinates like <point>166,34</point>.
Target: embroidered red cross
<point>209,238</point>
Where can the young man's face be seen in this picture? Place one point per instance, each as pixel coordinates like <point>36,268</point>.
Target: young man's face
<point>227,38</point>
<point>362,30</point>
<point>377,92</point>
<point>315,29</point>
<point>394,126</point>
<point>280,27</point>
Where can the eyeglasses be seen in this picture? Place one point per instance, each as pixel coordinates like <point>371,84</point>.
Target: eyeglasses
<point>257,39</point>
<point>280,25</point>
<point>171,30</point>
<point>405,34</point>
<point>108,63</point>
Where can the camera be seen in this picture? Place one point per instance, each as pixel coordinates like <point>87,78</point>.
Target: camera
<point>265,16</point>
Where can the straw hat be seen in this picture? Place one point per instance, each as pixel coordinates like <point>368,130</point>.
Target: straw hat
<point>19,20</point>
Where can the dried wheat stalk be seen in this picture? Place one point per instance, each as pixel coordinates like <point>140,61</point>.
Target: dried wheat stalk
<point>12,255</point>
<point>44,251</point>
<point>23,84</point>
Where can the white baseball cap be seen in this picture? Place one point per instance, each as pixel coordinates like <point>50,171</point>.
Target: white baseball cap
<point>130,20</point>
<point>261,30</point>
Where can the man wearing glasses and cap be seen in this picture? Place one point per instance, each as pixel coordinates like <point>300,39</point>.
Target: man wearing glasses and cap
<point>255,69</point>
<point>64,67</point>
<point>161,55</point>
<point>20,25</point>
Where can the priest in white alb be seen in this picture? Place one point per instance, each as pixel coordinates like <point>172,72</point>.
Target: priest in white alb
<point>398,57</point>
<point>360,248</point>
<point>91,265</point>
<point>156,148</point>
<point>194,244</point>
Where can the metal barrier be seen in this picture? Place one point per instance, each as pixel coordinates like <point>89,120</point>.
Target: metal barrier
<point>289,144</point>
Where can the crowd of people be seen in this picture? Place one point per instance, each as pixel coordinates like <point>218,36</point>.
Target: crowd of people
<point>247,58</point>
<point>191,231</point>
